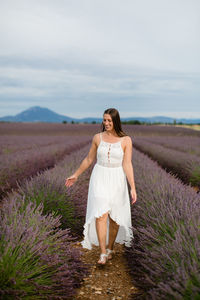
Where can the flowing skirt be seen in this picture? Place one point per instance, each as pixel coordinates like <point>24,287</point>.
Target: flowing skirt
<point>108,192</point>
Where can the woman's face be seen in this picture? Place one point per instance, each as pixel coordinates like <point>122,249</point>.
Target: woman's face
<point>107,122</point>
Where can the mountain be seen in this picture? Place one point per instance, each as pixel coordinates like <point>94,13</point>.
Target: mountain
<point>42,114</point>
<point>37,114</point>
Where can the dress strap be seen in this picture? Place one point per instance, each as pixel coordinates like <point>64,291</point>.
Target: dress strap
<point>100,136</point>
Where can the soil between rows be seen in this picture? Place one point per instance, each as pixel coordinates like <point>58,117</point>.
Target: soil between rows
<point>109,282</point>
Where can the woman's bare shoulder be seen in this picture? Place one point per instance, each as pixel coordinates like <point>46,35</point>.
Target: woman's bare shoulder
<point>96,138</point>
<point>97,135</point>
<point>126,142</point>
<point>128,139</point>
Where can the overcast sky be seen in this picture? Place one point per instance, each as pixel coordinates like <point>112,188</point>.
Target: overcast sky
<point>80,57</point>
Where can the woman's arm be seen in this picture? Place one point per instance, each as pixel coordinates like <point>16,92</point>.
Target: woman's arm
<point>87,161</point>
<point>128,167</point>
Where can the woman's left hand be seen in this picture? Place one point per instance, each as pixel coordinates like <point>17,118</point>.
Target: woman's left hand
<point>133,196</point>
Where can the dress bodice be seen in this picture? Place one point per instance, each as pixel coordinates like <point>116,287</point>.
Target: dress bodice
<point>109,154</point>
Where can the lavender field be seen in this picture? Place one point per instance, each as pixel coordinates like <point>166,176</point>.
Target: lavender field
<point>181,163</point>
<point>21,157</point>
<point>187,144</point>
<point>165,253</point>
<point>40,219</point>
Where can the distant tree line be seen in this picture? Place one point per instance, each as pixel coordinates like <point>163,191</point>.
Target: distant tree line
<point>131,122</point>
<point>73,122</point>
<point>137,122</point>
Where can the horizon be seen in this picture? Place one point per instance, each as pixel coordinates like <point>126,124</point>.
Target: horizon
<point>121,115</point>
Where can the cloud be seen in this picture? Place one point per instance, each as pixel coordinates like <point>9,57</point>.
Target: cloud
<point>88,55</point>
<point>162,34</point>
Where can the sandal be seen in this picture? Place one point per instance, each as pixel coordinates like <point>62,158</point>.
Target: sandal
<point>103,257</point>
<point>109,253</point>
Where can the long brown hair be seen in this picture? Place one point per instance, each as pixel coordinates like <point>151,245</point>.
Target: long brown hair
<point>116,121</point>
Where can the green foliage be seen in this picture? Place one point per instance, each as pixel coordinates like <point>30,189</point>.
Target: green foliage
<point>195,177</point>
<point>22,269</point>
<point>188,293</point>
<point>24,240</point>
<point>133,122</point>
<point>56,202</point>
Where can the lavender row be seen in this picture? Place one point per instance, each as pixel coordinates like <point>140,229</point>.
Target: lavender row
<point>159,130</point>
<point>165,252</point>
<point>49,188</point>
<point>27,163</point>
<point>36,255</point>
<point>187,144</point>
<point>185,166</point>
<point>31,218</point>
<point>10,144</point>
<point>47,129</point>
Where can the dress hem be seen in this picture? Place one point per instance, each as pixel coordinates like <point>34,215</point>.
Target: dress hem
<point>88,245</point>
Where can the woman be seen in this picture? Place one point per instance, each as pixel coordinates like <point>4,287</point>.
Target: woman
<point>108,216</point>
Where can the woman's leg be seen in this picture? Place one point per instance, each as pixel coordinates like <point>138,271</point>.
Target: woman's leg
<point>113,230</point>
<point>101,228</point>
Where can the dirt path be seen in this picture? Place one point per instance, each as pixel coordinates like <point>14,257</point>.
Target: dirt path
<point>109,282</point>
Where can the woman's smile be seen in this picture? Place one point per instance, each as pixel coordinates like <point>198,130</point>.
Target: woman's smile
<point>107,121</point>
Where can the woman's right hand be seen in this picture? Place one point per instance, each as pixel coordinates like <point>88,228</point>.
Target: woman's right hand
<point>70,180</point>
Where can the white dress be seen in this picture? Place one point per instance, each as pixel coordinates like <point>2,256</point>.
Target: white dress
<point>108,192</point>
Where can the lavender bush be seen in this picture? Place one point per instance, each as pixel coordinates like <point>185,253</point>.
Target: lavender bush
<point>165,253</point>
<point>37,260</point>
<point>186,166</point>
<point>48,187</point>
